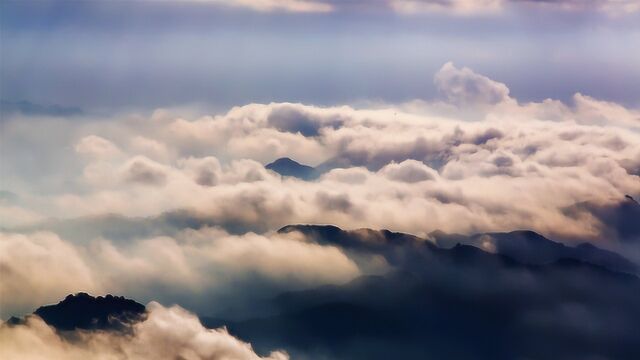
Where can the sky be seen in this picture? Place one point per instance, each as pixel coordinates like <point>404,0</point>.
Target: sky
<point>108,55</point>
<point>470,191</point>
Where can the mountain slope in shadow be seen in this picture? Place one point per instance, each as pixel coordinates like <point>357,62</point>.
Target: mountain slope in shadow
<point>532,248</point>
<point>459,302</point>
<point>525,247</point>
<point>567,310</point>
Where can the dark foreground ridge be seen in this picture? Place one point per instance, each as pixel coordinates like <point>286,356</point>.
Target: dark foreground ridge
<point>83,311</point>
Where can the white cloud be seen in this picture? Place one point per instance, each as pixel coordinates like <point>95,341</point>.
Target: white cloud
<point>141,170</point>
<point>150,148</point>
<point>461,7</point>
<point>464,87</point>
<point>97,146</point>
<point>403,166</point>
<point>593,111</point>
<point>41,268</point>
<point>296,6</point>
<point>410,171</point>
<point>166,333</point>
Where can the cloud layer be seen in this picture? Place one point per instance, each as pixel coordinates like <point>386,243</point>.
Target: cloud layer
<point>477,160</point>
<point>108,205</point>
<point>40,268</point>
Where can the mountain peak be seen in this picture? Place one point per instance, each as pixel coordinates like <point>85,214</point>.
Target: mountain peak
<point>285,160</point>
<point>289,167</point>
<point>83,311</point>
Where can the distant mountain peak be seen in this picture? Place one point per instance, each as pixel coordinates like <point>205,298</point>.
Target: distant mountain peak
<point>83,311</point>
<point>288,167</point>
<point>285,160</point>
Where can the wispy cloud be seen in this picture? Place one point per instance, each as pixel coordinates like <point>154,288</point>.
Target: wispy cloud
<point>412,7</point>
<point>293,6</point>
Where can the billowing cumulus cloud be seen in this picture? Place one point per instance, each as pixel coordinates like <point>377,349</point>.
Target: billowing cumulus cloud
<point>593,111</point>
<point>96,146</point>
<point>143,171</point>
<point>128,198</point>
<point>465,87</point>
<point>41,267</point>
<point>410,171</point>
<point>166,333</point>
<point>389,166</point>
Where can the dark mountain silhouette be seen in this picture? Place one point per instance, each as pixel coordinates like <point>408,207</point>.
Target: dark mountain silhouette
<point>83,311</point>
<point>570,310</point>
<point>12,321</point>
<point>459,302</point>
<point>289,167</point>
<point>525,247</point>
<point>532,248</point>
<point>374,240</point>
<point>333,163</point>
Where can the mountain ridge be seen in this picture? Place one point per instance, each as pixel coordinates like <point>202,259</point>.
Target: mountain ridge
<point>524,246</point>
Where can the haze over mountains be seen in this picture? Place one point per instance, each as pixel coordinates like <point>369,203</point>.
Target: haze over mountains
<point>495,295</point>
<point>468,300</point>
<point>526,247</point>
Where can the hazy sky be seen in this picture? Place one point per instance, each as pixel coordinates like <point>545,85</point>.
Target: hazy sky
<point>109,55</point>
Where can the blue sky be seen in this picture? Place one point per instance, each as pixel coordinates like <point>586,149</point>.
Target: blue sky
<point>146,54</point>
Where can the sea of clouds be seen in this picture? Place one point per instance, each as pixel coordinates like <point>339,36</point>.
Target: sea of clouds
<point>181,209</point>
